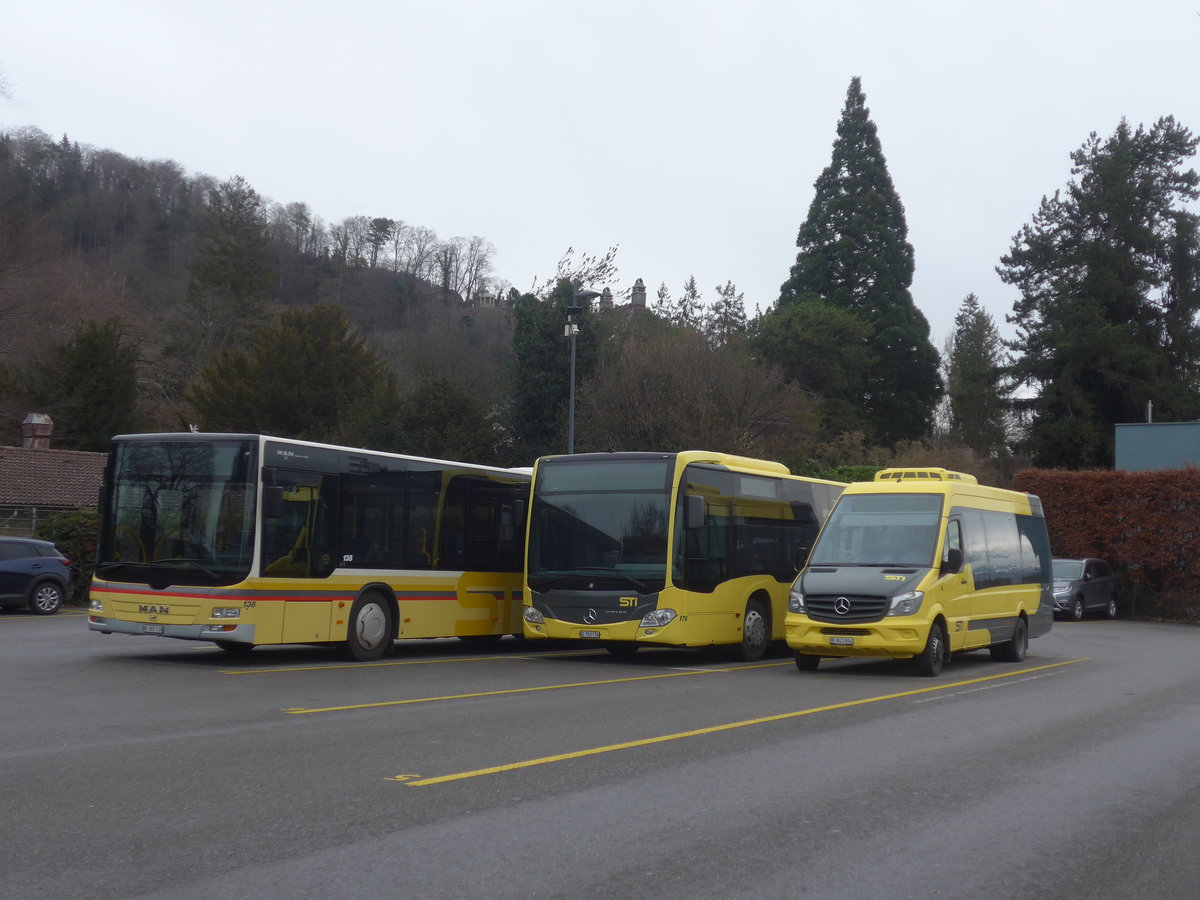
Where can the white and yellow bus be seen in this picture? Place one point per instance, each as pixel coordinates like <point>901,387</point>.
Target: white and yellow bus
<point>919,563</point>
<point>246,540</point>
<point>684,549</point>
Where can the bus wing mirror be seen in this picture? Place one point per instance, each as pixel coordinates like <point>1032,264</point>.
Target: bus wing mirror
<point>954,561</point>
<point>693,516</point>
<point>801,556</point>
<point>272,501</point>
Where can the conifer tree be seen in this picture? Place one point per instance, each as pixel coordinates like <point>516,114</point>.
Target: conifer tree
<point>230,277</point>
<point>1110,297</point>
<point>726,320</point>
<point>89,386</point>
<point>974,379</point>
<point>854,255</point>
<point>537,415</point>
<point>310,377</point>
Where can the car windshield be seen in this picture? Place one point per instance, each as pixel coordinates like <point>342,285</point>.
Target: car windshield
<point>1067,569</point>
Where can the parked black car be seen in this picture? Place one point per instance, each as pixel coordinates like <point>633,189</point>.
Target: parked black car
<point>1082,586</point>
<point>33,573</point>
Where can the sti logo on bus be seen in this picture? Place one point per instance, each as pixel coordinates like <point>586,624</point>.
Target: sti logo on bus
<point>157,610</point>
<point>627,602</point>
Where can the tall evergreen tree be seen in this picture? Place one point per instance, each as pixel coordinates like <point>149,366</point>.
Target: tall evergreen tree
<point>537,414</point>
<point>1107,272</point>
<point>230,277</point>
<point>89,386</point>
<point>311,376</point>
<point>974,383</point>
<point>854,255</point>
<point>823,349</point>
<point>725,322</point>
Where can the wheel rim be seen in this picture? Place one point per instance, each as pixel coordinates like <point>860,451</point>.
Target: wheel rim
<point>1112,607</point>
<point>754,630</point>
<point>938,648</point>
<point>47,598</point>
<point>371,625</point>
<point>1077,610</point>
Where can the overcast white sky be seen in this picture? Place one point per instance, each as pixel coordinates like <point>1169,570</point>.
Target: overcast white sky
<point>689,133</point>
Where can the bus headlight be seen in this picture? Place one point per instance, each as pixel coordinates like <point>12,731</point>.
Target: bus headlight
<point>533,616</point>
<point>226,612</point>
<point>795,600</point>
<point>658,618</point>
<point>906,604</point>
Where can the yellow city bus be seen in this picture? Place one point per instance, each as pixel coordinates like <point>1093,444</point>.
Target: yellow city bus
<point>919,563</point>
<point>687,549</point>
<point>247,540</point>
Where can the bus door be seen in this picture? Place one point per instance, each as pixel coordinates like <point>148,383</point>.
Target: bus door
<point>954,586</point>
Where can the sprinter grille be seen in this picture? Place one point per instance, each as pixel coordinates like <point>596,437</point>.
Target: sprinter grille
<point>824,608</point>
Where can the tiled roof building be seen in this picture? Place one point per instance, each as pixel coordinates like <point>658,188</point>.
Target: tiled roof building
<point>37,482</point>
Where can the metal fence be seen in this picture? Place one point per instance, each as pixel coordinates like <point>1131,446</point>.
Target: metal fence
<point>23,521</point>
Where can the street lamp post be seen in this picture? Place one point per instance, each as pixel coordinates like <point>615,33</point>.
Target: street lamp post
<point>574,311</point>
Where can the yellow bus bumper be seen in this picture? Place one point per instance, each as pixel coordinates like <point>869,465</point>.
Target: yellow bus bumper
<point>899,641</point>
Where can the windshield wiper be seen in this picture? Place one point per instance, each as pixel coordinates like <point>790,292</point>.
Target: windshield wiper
<point>157,566</point>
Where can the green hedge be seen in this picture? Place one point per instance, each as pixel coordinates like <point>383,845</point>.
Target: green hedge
<point>75,533</point>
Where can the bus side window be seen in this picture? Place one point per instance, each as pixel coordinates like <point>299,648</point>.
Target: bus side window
<point>953,543</point>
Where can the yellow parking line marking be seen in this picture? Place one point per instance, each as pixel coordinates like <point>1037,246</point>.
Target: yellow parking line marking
<point>301,710</point>
<point>404,662</point>
<point>297,711</point>
<point>713,729</point>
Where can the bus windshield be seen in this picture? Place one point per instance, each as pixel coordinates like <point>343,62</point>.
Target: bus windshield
<point>583,529</point>
<point>179,512</point>
<point>880,530</point>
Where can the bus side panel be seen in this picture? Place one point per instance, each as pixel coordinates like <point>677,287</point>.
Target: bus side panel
<point>459,604</point>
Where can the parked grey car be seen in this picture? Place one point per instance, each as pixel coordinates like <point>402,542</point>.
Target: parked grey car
<point>33,573</point>
<point>1082,586</point>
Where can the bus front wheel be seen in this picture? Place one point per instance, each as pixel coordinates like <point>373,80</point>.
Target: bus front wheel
<point>933,657</point>
<point>806,662</point>
<point>756,631</point>
<point>370,633</point>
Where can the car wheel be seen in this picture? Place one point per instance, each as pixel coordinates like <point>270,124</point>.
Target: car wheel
<point>1077,609</point>
<point>46,598</point>
<point>1111,610</point>
<point>756,631</point>
<point>806,662</point>
<point>1013,650</point>
<point>933,657</point>
<point>371,632</point>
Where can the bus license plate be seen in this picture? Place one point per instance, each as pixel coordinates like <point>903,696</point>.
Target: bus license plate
<point>841,642</point>
<point>589,634</point>
<point>152,629</point>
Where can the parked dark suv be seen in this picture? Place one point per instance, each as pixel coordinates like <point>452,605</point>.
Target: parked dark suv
<point>33,573</point>
<point>1082,586</point>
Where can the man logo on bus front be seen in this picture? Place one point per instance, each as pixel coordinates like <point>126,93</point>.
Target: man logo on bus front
<point>841,606</point>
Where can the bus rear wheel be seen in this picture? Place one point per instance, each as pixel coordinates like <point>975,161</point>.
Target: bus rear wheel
<point>1015,649</point>
<point>370,631</point>
<point>756,631</point>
